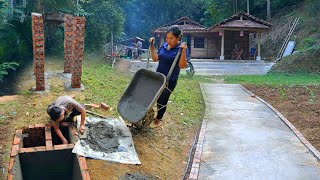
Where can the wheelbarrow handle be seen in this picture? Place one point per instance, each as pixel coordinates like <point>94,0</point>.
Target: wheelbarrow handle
<point>173,65</point>
<point>148,59</point>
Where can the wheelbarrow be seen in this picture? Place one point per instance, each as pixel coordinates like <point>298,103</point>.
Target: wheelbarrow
<point>137,102</point>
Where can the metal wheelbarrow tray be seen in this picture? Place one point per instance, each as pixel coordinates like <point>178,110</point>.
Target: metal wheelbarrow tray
<point>141,95</point>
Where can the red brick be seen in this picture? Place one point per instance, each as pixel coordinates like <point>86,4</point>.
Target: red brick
<point>48,133</point>
<point>15,150</point>
<point>85,175</point>
<point>19,132</point>
<point>50,124</point>
<point>63,146</point>
<point>195,165</point>
<point>10,176</point>
<point>83,163</point>
<point>40,148</point>
<point>197,155</point>
<point>193,176</point>
<point>194,170</point>
<point>11,164</point>
<point>40,125</point>
<point>49,145</point>
<point>196,160</point>
<point>27,150</point>
<point>16,139</point>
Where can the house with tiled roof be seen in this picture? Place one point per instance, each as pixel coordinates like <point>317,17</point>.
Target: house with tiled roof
<point>195,34</point>
<point>219,40</point>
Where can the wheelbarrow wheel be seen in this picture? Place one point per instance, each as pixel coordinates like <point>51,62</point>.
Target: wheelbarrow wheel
<point>190,70</point>
<point>146,121</point>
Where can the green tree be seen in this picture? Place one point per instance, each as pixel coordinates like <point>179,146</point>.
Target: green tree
<point>142,17</point>
<point>105,16</point>
<point>215,11</point>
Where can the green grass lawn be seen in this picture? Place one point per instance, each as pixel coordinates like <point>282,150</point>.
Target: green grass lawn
<point>275,79</point>
<point>106,84</point>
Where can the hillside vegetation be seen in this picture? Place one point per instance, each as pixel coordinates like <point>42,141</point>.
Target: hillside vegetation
<point>306,61</point>
<point>306,36</point>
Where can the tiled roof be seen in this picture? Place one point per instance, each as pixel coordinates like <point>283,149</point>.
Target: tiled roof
<point>185,23</point>
<point>248,21</point>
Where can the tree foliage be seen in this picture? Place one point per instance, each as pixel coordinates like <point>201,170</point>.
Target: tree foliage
<point>105,17</point>
<point>5,67</point>
<point>141,17</point>
<point>130,17</point>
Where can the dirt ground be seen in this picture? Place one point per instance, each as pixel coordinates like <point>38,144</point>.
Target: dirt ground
<point>300,105</point>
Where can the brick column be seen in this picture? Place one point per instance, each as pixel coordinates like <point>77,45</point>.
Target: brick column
<point>38,50</point>
<point>69,32</point>
<point>78,52</point>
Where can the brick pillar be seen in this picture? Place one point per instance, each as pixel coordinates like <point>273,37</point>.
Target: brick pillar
<point>69,32</point>
<point>78,52</point>
<point>38,50</point>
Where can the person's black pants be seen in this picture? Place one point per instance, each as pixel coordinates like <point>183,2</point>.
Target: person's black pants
<point>73,113</point>
<point>163,99</point>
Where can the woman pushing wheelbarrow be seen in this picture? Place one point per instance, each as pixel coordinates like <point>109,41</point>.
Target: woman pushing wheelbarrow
<point>166,55</point>
<point>148,87</point>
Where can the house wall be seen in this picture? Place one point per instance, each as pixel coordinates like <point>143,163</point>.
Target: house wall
<point>212,44</point>
<point>199,52</point>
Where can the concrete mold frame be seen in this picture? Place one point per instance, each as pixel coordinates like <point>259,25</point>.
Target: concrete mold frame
<point>38,153</point>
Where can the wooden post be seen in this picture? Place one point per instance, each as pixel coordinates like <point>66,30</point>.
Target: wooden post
<point>222,45</point>
<point>259,46</point>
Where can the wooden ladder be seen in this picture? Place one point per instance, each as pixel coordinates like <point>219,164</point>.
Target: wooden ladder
<point>284,45</point>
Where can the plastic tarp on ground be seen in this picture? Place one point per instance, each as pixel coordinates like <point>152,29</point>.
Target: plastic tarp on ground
<point>122,150</point>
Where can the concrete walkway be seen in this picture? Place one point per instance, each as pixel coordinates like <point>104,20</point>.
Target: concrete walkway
<point>214,67</point>
<point>242,138</point>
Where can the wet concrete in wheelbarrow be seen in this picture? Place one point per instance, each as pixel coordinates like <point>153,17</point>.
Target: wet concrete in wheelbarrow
<point>141,94</point>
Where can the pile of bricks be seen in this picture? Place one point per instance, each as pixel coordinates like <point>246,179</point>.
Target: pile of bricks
<point>78,52</point>
<point>38,50</point>
<point>26,141</point>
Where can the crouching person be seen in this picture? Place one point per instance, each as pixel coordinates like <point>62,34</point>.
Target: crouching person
<point>64,108</point>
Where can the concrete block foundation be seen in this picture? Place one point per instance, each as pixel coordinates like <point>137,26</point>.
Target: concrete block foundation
<point>38,153</point>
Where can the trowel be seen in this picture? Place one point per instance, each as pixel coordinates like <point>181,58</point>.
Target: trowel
<point>84,135</point>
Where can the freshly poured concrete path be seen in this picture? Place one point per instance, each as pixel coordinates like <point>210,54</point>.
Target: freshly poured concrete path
<point>245,139</point>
